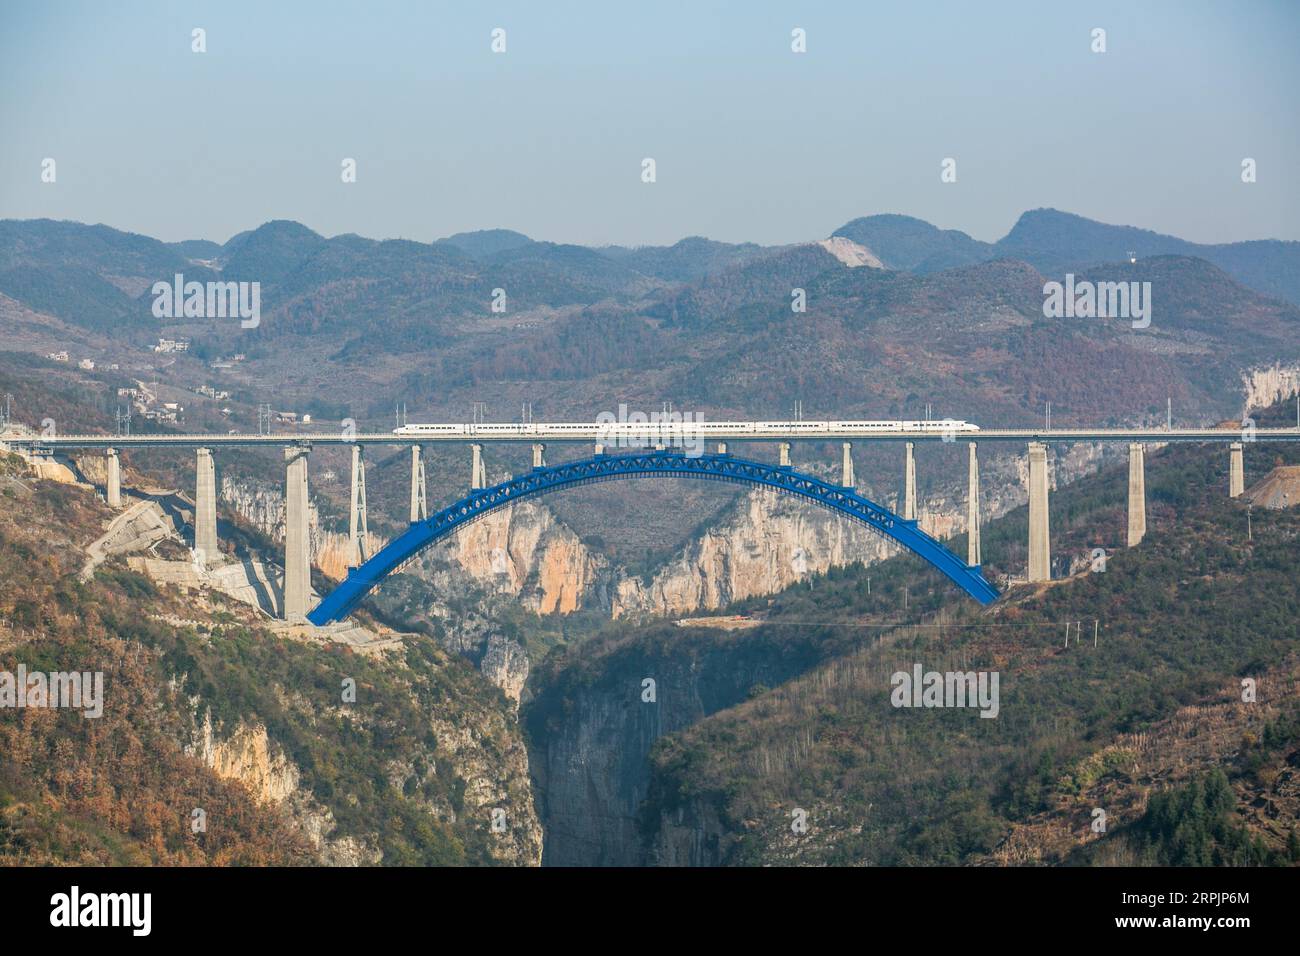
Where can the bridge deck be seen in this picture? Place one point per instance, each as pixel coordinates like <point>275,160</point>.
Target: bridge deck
<point>581,433</point>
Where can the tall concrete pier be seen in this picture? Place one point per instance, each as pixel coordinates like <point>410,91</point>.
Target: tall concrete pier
<point>785,454</point>
<point>539,455</point>
<point>1137,495</point>
<point>477,476</point>
<point>973,510</point>
<point>909,483</point>
<point>846,466</point>
<point>1040,551</point>
<point>1236,472</point>
<point>419,504</point>
<point>205,507</point>
<point>358,523</point>
<point>297,544</point>
<point>113,486</point>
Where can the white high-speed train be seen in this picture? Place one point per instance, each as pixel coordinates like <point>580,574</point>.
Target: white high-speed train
<point>676,428</point>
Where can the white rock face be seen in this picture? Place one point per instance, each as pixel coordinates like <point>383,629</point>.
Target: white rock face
<point>1266,386</point>
<point>523,550</point>
<point>770,543</point>
<point>248,756</point>
<point>505,663</point>
<point>851,253</point>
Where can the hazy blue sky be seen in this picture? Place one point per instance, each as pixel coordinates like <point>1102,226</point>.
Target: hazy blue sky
<point>752,141</point>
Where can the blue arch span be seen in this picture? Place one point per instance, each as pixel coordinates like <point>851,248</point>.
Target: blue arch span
<point>539,481</point>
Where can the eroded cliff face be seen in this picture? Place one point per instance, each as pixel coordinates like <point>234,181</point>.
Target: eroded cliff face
<point>592,728</point>
<point>524,551</point>
<point>482,748</point>
<point>768,542</point>
<point>1267,386</point>
<point>249,755</point>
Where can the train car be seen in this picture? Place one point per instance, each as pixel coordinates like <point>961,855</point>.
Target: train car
<point>417,430</point>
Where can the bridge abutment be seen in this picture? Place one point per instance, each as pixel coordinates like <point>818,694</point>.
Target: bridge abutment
<point>297,544</point>
<point>1236,472</point>
<point>1040,552</point>
<point>205,506</point>
<point>1137,494</point>
<point>973,557</point>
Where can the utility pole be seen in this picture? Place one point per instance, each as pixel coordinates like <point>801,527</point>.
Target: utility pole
<point>1049,417</point>
<point>1169,413</point>
<point>263,419</point>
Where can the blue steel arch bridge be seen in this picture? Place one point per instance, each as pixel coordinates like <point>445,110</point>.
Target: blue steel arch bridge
<point>657,464</point>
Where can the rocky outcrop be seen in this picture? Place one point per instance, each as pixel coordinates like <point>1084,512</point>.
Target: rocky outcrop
<point>767,543</point>
<point>497,786</point>
<point>1267,386</point>
<point>505,664</point>
<point>524,551</point>
<point>850,253</point>
<point>592,727</point>
<point>248,756</point>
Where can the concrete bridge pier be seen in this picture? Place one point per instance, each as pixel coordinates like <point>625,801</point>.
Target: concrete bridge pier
<point>1137,494</point>
<point>909,483</point>
<point>297,543</point>
<point>419,505</point>
<point>358,526</point>
<point>205,507</point>
<point>539,456</point>
<point>478,475</point>
<point>600,449</point>
<point>1040,552</point>
<point>785,454</point>
<point>846,466</point>
<point>722,448</point>
<point>973,557</point>
<point>1236,472</point>
<point>113,486</point>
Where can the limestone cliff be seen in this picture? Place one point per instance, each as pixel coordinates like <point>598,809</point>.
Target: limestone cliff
<point>592,728</point>
<point>524,551</point>
<point>1266,386</point>
<point>768,542</point>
